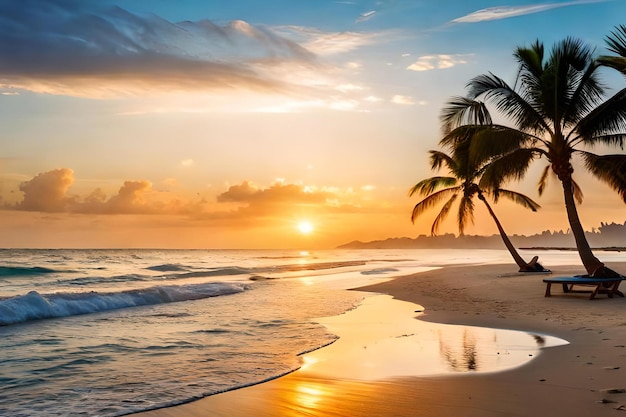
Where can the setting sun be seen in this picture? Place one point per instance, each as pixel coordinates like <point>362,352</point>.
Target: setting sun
<point>305,227</point>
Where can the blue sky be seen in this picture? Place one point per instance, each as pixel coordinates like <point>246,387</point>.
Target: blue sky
<point>232,122</point>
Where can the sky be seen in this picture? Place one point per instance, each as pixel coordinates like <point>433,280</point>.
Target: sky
<point>244,124</point>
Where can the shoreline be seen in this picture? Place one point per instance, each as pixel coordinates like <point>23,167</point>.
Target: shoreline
<point>584,378</point>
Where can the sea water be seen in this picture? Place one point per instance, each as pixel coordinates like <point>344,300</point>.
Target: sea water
<point>112,332</point>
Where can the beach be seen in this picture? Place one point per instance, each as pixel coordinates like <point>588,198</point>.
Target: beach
<point>585,377</point>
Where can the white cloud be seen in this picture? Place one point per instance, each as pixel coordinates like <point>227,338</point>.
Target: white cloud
<point>441,61</point>
<point>345,88</point>
<point>328,43</point>
<point>505,12</point>
<point>344,105</point>
<point>366,16</point>
<point>373,99</point>
<point>404,100</point>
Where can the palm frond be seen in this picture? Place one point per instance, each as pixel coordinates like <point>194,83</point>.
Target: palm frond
<point>578,192</point>
<point>530,73</point>
<point>587,94</point>
<point>616,41</point>
<point>543,180</point>
<point>495,140</point>
<point>519,198</point>
<point>610,169</point>
<point>568,86</point>
<point>616,62</point>
<point>508,102</point>
<point>606,123</point>
<point>432,200</point>
<point>443,214</point>
<point>461,111</point>
<point>428,185</point>
<point>512,166</point>
<point>530,59</point>
<point>439,159</point>
<point>465,214</point>
<point>459,135</point>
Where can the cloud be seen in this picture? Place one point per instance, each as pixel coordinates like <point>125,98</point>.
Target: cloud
<point>83,49</point>
<point>366,16</point>
<point>441,61</point>
<point>345,88</point>
<point>47,191</point>
<point>240,205</point>
<point>330,43</point>
<point>187,162</point>
<point>505,12</point>
<point>279,193</point>
<point>404,100</point>
<point>130,198</point>
<point>373,99</point>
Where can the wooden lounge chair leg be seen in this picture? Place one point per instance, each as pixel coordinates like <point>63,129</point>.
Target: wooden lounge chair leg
<point>614,289</point>
<point>548,285</point>
<point>566,287</point>
<point>594,292</point>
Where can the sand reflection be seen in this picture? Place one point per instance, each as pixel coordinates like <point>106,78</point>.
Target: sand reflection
<point>382,339</point>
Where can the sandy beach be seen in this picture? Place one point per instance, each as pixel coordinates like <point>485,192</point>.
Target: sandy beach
<point>586,377</point>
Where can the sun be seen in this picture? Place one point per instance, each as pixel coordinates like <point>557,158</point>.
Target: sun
<point>305,227</point>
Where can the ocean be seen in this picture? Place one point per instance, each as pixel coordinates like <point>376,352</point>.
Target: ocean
<point>113,332</point>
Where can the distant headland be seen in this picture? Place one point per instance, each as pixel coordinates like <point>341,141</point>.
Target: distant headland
<point>609,236</point>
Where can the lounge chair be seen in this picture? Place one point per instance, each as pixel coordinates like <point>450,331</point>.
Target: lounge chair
<point>608,286</point>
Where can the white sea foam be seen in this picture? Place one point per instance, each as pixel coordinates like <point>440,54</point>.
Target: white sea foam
<point>35,306</point>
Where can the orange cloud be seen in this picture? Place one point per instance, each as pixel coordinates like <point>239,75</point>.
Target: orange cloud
<point>241,208</point>
<point>277,193</point>
<point>47,191</point>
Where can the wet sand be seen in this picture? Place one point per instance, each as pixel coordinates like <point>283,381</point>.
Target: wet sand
<point>587,377</point>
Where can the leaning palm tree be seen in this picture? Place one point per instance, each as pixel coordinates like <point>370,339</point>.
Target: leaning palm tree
<point>463,182</point>
<point>556,110</point>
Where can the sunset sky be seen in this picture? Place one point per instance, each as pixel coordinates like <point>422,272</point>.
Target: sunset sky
<point>255,124</point>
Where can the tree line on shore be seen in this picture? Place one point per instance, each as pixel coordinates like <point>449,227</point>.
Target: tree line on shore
<point>609,236</point>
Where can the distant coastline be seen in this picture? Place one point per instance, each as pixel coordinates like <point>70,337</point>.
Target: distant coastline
<point>608,237</point>
<point>606,249</point>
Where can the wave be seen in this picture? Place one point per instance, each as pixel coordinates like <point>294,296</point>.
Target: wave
<point>167,268</point>
<point>8,271</point>
<point>35,306</point>
<point>377,271</point>
<point>95,280</point>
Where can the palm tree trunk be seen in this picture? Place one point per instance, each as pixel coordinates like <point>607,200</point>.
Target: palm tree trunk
<point>591,263</point>
<point>523,266</point>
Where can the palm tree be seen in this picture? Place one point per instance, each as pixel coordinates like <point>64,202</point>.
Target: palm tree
<point>556,110</point>
<point>463,182</point>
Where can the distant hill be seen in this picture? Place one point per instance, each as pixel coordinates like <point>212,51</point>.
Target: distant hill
<point>608,236</point>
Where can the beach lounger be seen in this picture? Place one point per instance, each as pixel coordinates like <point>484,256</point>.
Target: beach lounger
<point>608,286</point>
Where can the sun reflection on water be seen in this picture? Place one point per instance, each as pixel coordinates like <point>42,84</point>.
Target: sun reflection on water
<point>308,394</point>
<point>383,339</point>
